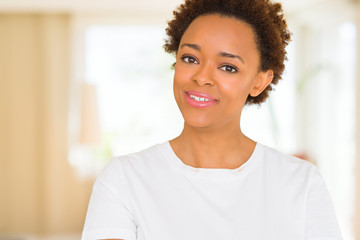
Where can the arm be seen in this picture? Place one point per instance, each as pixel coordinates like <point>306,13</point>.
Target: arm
<point>321,221</point>
<point>108,215</point>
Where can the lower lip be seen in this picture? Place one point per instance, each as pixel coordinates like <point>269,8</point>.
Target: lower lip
<point>199,104</point>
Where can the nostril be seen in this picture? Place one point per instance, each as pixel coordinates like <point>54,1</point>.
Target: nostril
<point>201,81</point>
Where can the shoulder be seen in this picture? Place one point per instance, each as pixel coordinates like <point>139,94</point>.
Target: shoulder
<point>287,166</point>
<point>120,168</point>
<point>273,156</point>
<point>144,158</point>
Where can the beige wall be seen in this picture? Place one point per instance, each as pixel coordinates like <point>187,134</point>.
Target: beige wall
<point>40,192</point>
<point>357,169</point>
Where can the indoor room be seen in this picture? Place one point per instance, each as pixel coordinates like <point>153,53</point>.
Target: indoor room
<point>84,81</point>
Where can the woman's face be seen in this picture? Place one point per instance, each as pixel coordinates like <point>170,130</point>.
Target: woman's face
<point>216,69</point>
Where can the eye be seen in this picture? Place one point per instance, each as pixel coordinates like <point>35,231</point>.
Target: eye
<point>229,69</point>
<point>189,59</point>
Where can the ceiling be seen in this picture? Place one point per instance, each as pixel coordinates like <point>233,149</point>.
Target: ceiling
<point>120,5</point>
<point>296,10</point>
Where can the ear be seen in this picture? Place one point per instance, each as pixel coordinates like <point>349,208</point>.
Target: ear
<point>262,81</point>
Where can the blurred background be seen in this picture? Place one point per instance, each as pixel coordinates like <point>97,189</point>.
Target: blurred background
<point>81,81</point>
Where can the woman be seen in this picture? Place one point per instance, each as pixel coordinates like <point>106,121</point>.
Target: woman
<point>213,182</point>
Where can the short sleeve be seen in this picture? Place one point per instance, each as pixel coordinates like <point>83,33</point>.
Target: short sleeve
<point>108,215</point>
<point>321,222</point>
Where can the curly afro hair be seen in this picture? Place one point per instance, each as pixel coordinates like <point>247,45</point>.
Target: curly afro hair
<point>266,19</point>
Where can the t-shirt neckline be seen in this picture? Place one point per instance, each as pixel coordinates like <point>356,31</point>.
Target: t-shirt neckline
<point>246,167</point>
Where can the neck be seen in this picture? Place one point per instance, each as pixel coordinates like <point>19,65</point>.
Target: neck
<point>220,148</point>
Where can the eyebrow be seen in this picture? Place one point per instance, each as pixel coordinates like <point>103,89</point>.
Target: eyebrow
<point>194,46</point>
<point>221,54</point>
<point>230,55</point>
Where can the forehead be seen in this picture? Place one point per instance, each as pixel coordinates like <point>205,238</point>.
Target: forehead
<point>217,31</point>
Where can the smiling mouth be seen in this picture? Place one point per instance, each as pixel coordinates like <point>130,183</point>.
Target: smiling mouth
<point>199,99</point>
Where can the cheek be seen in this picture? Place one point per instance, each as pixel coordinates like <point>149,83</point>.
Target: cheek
<point>236,89</point>
<point>182,76</point>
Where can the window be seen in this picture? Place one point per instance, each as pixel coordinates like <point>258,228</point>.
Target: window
<point>311,112</point>
<point>132,76</point>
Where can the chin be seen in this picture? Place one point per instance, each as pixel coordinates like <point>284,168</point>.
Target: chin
<point>199,122</point>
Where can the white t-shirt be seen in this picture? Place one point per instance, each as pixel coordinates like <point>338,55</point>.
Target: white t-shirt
<point>153,195</point>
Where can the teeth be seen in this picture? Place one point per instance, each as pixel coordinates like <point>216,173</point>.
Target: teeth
<point>199,99</point>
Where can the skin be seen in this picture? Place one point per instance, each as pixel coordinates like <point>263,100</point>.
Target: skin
<point>212,137</point>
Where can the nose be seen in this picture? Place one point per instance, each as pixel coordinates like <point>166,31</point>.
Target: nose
<point>204,76</point>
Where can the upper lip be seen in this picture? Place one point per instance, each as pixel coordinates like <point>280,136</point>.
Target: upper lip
<point>200,94</point>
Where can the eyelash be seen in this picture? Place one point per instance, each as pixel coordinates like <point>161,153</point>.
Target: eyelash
<point>233,68</point>
<point>186,58</point>
<point>183,58</point>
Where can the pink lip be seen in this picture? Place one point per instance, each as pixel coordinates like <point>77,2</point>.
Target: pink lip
<point>200,94</point>
<point>197,104</point>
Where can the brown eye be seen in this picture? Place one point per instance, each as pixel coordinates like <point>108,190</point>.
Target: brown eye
<point>189,59</point>
<point>229,69</point>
